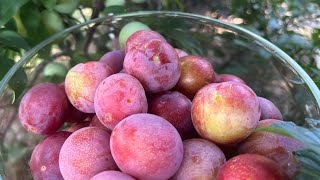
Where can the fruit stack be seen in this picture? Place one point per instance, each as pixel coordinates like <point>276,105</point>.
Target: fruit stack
<point>153,112</point>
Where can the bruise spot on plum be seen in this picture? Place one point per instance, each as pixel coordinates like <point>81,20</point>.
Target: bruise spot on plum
<point>196,159</point>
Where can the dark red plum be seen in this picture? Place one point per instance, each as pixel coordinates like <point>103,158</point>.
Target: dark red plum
<point>196,72</point>
<point>228,77</point>
<point>82,81</point>
<point>114,59</point>
<point>175,108</point>
<point>44,162</point>
<point>119,96</point>
<point>269,110</point>
<point>76,126</point>
<point>155,64</point>
<point>202,160</point>
<point>251,166</point>
<point>274,146</point>
<point>112,175</point>
<point>140,37</point>
<point>86,153</point>
<point>146,146</point>
<point>43,108</point>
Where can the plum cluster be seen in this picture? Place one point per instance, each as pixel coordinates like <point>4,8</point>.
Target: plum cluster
<point>153,112</point>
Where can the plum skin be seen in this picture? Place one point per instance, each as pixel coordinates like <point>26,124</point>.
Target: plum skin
<point>86,153</point>
<point>251,166</point>
<point>114,59</point>
<point>274,146</point>
<point>82,81</point>
<point>112,175</point>
<point>43,108</point>
<point>196,72</point>
<point>141,37</point>
<point>269,110</point>
<point>146,146</point>
<point>202,160</point>
<point>155,64</point>
<point>44,161</point>
<point>225,113</point>
<point>126,97</point>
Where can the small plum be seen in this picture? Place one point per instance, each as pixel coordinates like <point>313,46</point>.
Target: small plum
<point>146,146</point>
<point>163,105</point>
<point>274,146</point>
<point>112,175</point>
<point>43,108</point>
<point>44,162</point>
<point>119,96</point>
<point>140,37</point>
<point>155,64</point>
<point>202,160</point>
<point>114,59</point>
<point>82,81</point>
<point>228,77</point>
<point>86,153</point>
<point>225,113</point>
<point>251,166</point>
<point>196,72</point>
<point>76,126</point>
<point>269,110</point>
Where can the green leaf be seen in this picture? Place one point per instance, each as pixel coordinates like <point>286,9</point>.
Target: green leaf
<point>12,39</point>
<point>114,9</point>
<point>49,4</point>
<point>316,37</point>
<point>8,8</point>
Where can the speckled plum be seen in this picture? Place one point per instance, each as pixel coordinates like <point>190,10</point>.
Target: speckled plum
<point>86,153</point>
<point>251,166</point>
<point>43,108</point>
<point>225,113</point>
<point>269,110</point>
<point>117,97</point>
<point>228,77</point>
<point>147,146</point>
<point>274,146</point>
<point>181,53</point>
<point>174,107</point>
<point>113,59</point>
<point>155,64</point>
<point>202,160</point>
<point>44,162</point>
<point>141,37</point>
<point>196,72</point>
<point>112,175</point>
<point>82,81</point>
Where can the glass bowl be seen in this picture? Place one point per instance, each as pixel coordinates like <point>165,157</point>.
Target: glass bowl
<point>269,71</point>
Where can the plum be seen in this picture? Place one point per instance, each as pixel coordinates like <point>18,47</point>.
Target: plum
<point>44,162</point>
<point>82,81</point>
<point>140,37</point>
<point>163,105</point>
<point>228,77</point>
<point>146,146</point>
<point>43,108</point>
<point>181,53</point>
<point>112,175</point>
<point>274,146</point>
<point>225,113</point>
<point>202,160</point>
<point>196,72</point>
<point>114,59</point>
<point>86,153</point>
<point>76,126</point>
<point>155,64</point>
<point>95,122</point>
<point>269,110</point>
<point>119,96</point>
<point>251,166</point>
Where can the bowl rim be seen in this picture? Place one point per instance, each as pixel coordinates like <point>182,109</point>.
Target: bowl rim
<point>205,19</point>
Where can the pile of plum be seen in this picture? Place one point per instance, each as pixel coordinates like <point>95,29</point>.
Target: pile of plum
<point>153,112</point>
